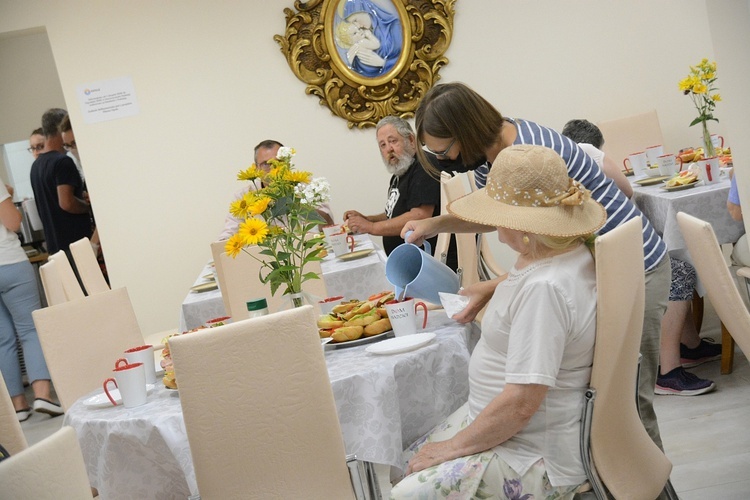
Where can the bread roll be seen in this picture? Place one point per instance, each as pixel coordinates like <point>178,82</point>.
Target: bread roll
<point>363,319</point>
<point>345,307</point>
<point>328,321</point>
<point>346,333</point>
<point>378,327</point>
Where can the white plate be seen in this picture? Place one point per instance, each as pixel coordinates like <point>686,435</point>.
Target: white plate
<point>359,341</point>
<point>398,345</point>
<point>102,401</point>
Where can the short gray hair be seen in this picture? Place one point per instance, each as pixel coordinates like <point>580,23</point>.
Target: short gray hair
<point>401,125</point>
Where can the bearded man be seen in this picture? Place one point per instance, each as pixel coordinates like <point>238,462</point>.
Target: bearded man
<point>412,193</point>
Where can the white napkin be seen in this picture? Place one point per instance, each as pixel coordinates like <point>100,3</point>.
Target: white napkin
<point>453,303</point>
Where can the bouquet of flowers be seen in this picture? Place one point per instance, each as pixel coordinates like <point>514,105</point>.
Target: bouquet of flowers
<point>700,85</point>
<point>279,217</point>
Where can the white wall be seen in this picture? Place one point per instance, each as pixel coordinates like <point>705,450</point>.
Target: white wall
<point>211,83</point>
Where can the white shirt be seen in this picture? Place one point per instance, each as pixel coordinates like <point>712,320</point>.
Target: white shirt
<point>10,246</point>
<point>539,328</point>
<point>595,153</point>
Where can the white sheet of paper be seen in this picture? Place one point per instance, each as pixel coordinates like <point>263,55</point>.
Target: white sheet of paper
<point>107,99</point>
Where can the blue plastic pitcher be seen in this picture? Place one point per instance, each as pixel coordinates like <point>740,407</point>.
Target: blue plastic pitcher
<point>416,273</point>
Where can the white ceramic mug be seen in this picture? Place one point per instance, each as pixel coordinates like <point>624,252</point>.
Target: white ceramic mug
<point>669,164</point>
<point>637,163</point>
<point>330,230</point>
<point>709,170</point>
<point>717,141</point>
<point>143,354</point>
<point>130,379</point>
<point>342,244</point>
<point>403,316</point>
<point>653,153</point>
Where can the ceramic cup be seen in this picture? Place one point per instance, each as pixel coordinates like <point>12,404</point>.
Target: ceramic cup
<point>669,164</point>
<point>143,354</point>
<point>637,163</point>
<point>130,379</point>
<point>717,140</point>
<point>330,230</point>
<point>709,170</point>
<point>403,316</point>
<point>342,244</point>
<point>653,153</point>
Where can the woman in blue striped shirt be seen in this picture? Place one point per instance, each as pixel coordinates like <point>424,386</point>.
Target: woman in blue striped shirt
<point>462,130</point>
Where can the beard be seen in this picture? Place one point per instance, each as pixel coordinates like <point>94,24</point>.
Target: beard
<point>402,164</point>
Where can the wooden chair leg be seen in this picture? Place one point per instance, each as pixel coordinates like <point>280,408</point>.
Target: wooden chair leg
<point>697,311</point>
<point>727,351</point>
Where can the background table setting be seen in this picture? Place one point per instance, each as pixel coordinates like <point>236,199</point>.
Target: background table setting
<point>707,202</point>
<point>384,403</point>
<point>354,276</point>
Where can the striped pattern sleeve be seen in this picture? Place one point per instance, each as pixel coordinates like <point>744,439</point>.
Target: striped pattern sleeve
<point>583,169</point>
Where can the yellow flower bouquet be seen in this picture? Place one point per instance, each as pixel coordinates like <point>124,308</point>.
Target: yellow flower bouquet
<point>279,217</point>
<point>700,85</point>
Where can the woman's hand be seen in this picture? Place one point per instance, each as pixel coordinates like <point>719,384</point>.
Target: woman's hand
<point>422,230</point>
<point>479,294</point>
<point>431,454</point>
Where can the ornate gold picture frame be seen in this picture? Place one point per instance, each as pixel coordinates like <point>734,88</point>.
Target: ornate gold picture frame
<point>366,59</point>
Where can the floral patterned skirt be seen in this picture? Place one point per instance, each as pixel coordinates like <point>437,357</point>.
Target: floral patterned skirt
<point>483,475</point>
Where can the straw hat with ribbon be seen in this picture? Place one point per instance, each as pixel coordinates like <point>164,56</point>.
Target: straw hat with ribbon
<point>528,189</point>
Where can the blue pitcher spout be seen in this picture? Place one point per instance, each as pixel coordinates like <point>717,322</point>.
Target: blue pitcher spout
<point>400,293</point>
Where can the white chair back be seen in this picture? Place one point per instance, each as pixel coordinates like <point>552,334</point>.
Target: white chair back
<point>82,339</point>
<point>48,470</point>
<point>73,290</point>
<point>239,282</point>
<point>11,435</point>
<point>632,134</point>
<point>54,291</point>
<point>282,437</point>
<point>88,267</point>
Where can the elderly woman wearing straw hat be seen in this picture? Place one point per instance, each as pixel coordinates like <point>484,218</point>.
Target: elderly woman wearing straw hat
<point>520,427</point>
<point>463,130</point>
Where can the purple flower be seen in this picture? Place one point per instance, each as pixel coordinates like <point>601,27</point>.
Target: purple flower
<point>513,489</point>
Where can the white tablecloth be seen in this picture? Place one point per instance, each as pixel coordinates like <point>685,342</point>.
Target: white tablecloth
<point>708,203</point>
<point>354,279</point>
<point>384,403</point>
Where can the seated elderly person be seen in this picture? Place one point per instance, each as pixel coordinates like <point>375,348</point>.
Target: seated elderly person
<point>264,151</point>
<point>412,195</point>
<point>520,427</point>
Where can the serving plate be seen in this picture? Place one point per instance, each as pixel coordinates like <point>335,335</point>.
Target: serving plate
<point>359,341</point>
<point>681,187</point>
<point>357,255</point>
<point>102,401</point>
<point>397,345</point>
<point>650,181</point>
<point>204,287</point>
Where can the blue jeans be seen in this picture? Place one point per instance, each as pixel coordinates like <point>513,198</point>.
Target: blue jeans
<point>19,296</point>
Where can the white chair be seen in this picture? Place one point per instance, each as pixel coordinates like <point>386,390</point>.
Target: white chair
<point>73,290</point>
<point>624,136</point>
<point>282,437</point>
<point>82,339</point>
<point>452,188</point>
<point>617,451</point>
<point>88,267</point>
<point>51,469</point>
<point>54,291</point>
<point>720,286</point>
<point>488,266</point>
<point>239,282</point>
<point>11,435</point>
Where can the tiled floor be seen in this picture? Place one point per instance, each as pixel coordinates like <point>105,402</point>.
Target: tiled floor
<point>706,437</point>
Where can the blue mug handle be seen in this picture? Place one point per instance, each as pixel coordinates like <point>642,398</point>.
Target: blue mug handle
<point>425,243</point>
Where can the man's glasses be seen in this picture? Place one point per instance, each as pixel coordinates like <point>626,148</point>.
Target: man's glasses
<point>440,155</point>
<point>69,145</point>
<point>38,147</point>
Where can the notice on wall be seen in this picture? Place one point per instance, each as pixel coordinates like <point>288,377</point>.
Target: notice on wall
<point>107,99</point>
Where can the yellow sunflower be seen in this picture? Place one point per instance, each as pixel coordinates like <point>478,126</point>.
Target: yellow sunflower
<point>234,245</point>
<point>297,177</point>
<point>238,208</point>
<point>253,231</point>
<point>252,173</point>
<point>259,205</point>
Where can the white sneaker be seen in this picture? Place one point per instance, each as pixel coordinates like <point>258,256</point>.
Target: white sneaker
<point>48,407</point>
<point>23,415</point>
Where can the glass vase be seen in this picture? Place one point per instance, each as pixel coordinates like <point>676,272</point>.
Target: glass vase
<point>708,145</point>
<point>298,299</point>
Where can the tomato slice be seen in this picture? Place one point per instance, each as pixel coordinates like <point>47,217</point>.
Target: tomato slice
<point>378,295</point>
